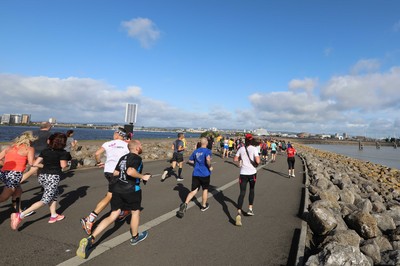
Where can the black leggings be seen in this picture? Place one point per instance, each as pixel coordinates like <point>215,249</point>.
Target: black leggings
<point>243,180</point>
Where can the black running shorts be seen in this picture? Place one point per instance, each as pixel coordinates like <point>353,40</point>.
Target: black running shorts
<point>126,201</point>
<point>203,182</point>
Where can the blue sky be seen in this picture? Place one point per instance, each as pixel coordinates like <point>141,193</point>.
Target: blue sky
<point>313,66</point>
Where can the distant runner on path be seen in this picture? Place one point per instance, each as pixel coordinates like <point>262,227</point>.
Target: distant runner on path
<point>177,158</point>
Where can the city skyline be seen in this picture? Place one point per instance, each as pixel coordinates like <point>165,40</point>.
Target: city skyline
<point>318,67</point>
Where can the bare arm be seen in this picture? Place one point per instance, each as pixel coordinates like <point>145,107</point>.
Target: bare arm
<point>133,173</point>
<point>97,156</point>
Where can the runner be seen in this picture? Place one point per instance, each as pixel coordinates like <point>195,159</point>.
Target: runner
<point>291,152</point>
<point>177,158</point>
<point>15,158</point>
<point>264,152</point>
<point>114,150</point>
<point>273,151</point>
<point>126,195</point>
<point>248,174</point>
<point>50,163</point>
<point>201,159</point>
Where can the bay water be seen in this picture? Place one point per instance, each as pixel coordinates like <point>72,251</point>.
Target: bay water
<point>387,156</point>
<point>8,133</point>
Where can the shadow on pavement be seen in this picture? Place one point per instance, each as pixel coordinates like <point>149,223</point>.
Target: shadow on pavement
<point>276,172</point>
<point>293,248</point>
<point>222,199</point>
<point>71,197</point>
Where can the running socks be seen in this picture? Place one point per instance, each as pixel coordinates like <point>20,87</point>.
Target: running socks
<point>179,172</point>
<point>92,216</point>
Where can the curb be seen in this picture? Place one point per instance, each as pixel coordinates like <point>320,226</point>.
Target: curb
<point>303,233</point>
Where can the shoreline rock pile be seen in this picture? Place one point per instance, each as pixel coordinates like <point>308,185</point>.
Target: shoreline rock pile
<point>354,212</point>
<point>155,149</point>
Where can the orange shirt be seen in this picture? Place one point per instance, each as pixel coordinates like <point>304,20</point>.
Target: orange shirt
<point>13,161</point>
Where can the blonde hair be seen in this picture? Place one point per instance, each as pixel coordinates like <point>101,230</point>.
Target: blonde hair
<point>25,138</point>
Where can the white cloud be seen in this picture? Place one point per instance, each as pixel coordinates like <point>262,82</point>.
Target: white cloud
<point>307,84</point>
<point>349,103</point>
<point>369,93</point>
<point>365,65</point>
<point>142,29</point>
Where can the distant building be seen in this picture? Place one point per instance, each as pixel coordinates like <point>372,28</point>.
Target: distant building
<point>52,120</point>
<point>5,119</point>
<point>261,132</point>
<point>25,119</point>
<point>15,119</point>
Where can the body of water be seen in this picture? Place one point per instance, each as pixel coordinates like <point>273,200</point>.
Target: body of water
<point>8,133</point>
<point>387,156</point>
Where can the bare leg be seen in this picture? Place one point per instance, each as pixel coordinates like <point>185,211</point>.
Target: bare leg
<point>135,222</point>
<point>103,203</point>
<point>191,195</point>
<point>106,222</point>
<point>204,199</point>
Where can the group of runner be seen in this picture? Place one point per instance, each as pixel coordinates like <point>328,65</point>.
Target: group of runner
<point>123,170</point>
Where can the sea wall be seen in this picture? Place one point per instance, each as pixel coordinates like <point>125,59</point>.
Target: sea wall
<point>353,215</point>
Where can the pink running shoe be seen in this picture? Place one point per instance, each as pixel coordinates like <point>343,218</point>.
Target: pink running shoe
<point>58,218</point>
<point>15,220</point>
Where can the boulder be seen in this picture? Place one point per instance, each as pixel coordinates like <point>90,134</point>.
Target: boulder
<point>372,250</point>
<point>364,224</point>
<point>321,220</point>
<point>335,254</point>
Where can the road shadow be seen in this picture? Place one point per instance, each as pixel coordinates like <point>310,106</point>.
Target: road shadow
<point>28,223</point>
<point>222,199</point>
<point>230,162</point>
<point>71,197</point>
<point>182,191</point>
<point>278,173</point>
<point>294,248</point>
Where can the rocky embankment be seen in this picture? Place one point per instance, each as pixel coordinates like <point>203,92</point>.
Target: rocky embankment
<point>153,149</point>
<point>354,211</point>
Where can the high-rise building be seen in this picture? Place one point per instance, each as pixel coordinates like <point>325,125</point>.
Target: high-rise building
<point>5,119</point>
<point>52,120</point>
<point>131,113</point>
<point>25,119</point>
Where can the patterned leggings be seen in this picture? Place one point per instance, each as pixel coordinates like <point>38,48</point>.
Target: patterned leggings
<point>11,179</point>
<point>50,184</point>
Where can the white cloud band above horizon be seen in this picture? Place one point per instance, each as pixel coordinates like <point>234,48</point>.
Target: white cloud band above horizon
<point>354,103</point>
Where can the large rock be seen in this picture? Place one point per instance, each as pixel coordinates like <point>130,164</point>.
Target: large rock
<point>335,254</point>
<point>321,220</point>
<point>364,224</point>
<point>343,237</point>
<point>385,222</point>
<point>371,249</point>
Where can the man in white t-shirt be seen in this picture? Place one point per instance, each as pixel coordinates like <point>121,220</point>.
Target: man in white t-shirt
<point>249,157</point>
<point>114,150</point>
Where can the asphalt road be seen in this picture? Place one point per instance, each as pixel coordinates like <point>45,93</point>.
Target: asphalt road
<point>200,238</point>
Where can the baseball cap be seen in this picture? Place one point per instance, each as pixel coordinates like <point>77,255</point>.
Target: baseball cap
<point>249,136</point>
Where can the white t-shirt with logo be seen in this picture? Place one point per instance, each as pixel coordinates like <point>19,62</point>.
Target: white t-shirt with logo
<point>115,149</point>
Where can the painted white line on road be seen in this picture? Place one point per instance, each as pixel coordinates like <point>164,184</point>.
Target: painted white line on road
<point>123,238</point>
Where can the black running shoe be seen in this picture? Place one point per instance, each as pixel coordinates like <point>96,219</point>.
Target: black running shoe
<point>182,210</point>
<point>204,208</point>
